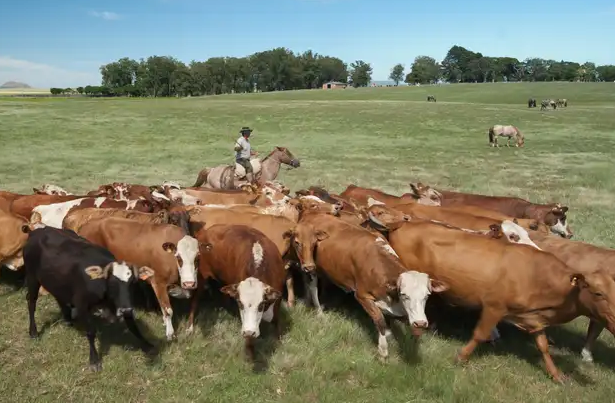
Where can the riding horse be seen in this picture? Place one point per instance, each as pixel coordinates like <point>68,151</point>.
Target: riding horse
<point>505,131</point>
<point>231,177</point>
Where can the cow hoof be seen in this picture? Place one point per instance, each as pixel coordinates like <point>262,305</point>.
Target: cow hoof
<point>460,359</point>
<point>561,379</point>
<point>34,335</point>
<point>190,330</point>
<point>149,349</point>
<point>96,367</point>
<point>171,337</point>
<point>586,356</point>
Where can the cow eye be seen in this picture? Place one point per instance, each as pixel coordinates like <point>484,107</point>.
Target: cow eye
<point>599,294</point>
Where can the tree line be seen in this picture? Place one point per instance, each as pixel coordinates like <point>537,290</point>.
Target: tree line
<point>465,66</point>
<point>281,69</point>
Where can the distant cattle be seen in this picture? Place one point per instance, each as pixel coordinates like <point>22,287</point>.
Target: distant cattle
<point>531,103</point>
<point>431,98</point>
<point>80,276</point>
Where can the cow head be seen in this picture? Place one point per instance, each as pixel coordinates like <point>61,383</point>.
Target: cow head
<point>118,277</point>
<point>304,239</point>
<point>313,203</point>
<point>597,295</point>
<point>278,186</point>
<point>426,195</point>
<point>412,289</point>
<point>556,219</point>
<point>186,253</point>
<point>274,196</point>
<point>48,189</point>
<point>255,300</point>
<point>383,217</point>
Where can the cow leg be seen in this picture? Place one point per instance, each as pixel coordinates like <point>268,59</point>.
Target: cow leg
<point>90,331</point>
<point>489,318</point>
<point>290,286</point>
<point>165,307</point>
<point>313,292</point>
<point>376,314</point>
<point>194,303</point>
<point>543,346</point>
<point>275,321</point>
<point>129,319</point>
<point>32,296</point>
<point>593,331</point>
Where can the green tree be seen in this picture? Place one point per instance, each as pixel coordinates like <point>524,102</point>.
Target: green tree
<point>360,73</point>
<point>424,70</point>
<point>397,73</point>
<point>606,73</point>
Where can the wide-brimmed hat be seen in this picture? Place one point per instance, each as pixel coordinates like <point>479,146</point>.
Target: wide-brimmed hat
<point>245,129</point>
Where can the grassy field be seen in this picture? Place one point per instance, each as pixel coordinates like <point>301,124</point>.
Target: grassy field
<point>382,137</point>
<point>29,91</point>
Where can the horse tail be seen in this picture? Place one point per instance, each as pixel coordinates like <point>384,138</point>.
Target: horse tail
<point>201,178</point>
<point>491,135</point>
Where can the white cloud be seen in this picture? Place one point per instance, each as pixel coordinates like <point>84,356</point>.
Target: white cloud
<point>40,75</point>
<point>105,15</point>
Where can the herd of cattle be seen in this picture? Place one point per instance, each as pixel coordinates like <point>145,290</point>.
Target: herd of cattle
<point>546,103</point>
<point>510,258</point>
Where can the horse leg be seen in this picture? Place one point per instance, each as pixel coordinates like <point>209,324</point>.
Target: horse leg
<point>201,178</point>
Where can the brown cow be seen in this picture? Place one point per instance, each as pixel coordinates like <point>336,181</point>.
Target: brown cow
<point>251,269</point>
<point>122,191</point>
<point>363,263</point>
<point>552,214</point>
<point>164,248</point>
<point>10,196</point>
<point>266,195</point>
<point>520,284</point>
<point>75,219</point>
<point>585,258</point>
<point>331,198</point>
<point>420,194</point>
<point>13,236</point>
<point>24,205</point>
<point>53,214</point>
<point>272,226</point>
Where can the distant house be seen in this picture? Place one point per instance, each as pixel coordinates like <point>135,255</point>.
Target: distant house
<point>333,85</point>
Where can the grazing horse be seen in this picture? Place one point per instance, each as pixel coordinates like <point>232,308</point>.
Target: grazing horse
<point>231,177</point>
<point>531,103</point>
<point>505,131</point>
<point>431,98</point>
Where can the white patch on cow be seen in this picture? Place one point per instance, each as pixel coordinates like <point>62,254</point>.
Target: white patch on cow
<point>53,214</point>
<point>386,246</point>
<point>373,202</point>
<point>54,190</point>
<point>188,249</point>
<point>276,209</point>
<point>509,229</point>
<point>251,293</point>
<point>131,204</point>
<point>160,196</point>
<point>99,201</point>
<point>172,185</point>
<point>257,254</point>
<point>560,228</point>
<point>312,197</point>
<point>167,319</point>
<point>413,292</point>
<point>121,271</point>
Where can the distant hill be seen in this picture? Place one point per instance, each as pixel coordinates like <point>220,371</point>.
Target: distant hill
<point>14,84</point>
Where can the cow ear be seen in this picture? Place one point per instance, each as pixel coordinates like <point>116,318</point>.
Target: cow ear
<point>25,228</point>
<point>95,272</point>
<point>578,280</point>
<point>205,246</point>
<point>301,192</point>
<point>437,285</point>
<point>299,206</point>
<point>321,235</point>
<point>143,273</point>
<point>515,221</point>
<point>286,191</point>
<point>230,290</point>
<point>288,234</point>
<point>414,188</point>
<point>392,290</point>
<point>496,231</point>
<point>35,190</point>
<point>564,209</point>
<point>169,247</point>
<point>271,294</point>
<point>534,226</point>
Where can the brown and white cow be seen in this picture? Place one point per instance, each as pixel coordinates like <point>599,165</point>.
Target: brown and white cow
<point>519,284</point>
<point>13,236</point>
<point>23,206</point>
<point>327,197</point>
<point>164,248</point>
<point>252,271</point>
<point>420,194</point>
<point>552,214</point>
<point>53,214</point>
<point>365,264</point>
<point>49,189</point>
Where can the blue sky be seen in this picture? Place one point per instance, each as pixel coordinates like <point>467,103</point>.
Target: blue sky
<point>63,42</point>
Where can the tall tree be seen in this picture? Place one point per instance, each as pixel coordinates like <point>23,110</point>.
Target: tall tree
<point>360,73</point>
<point>397,73</point>
<point>424,70</point>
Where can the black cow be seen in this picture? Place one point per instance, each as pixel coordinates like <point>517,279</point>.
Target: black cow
<point>431,98</point>
<point>531,103</point>
<point>80,276</point>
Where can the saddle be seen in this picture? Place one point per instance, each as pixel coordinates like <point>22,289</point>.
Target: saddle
<point>240,172</point>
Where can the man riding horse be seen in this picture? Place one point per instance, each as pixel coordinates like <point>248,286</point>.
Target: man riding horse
<point>243,152</point>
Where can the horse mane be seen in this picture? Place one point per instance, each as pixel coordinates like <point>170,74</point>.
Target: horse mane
<point>269,155</point>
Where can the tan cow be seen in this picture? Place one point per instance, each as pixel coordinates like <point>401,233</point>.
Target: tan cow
<point>75,219</point>
<point>164,248</point>
<point>13,236</point>
<point>251,269</point>
<point>420,194</point>
<point>365,264</point>
<point>519,284</point>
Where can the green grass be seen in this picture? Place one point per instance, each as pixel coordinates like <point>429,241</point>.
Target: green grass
<point>382,137</point>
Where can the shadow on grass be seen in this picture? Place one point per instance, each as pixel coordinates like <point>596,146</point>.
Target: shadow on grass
<point>16,280</point>
<point>458,324</point>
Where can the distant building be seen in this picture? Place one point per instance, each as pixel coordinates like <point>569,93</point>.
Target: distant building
<point>333,85</point>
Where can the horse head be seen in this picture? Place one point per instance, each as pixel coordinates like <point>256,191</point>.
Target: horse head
<point>284,155</point>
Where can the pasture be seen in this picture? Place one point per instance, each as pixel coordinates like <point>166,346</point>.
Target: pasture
<point>383,137</point>
<point>23,91</point>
